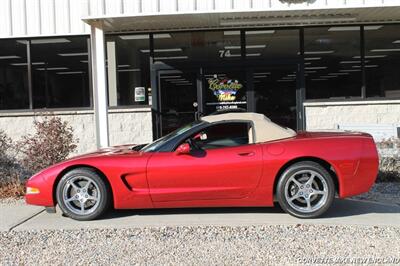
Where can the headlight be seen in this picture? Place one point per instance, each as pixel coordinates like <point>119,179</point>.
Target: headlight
<point>32,190</point>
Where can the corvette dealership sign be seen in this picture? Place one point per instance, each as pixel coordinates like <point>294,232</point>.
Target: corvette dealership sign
<point>224,89</point>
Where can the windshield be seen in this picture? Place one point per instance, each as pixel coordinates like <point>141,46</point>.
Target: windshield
<point>159,142</point>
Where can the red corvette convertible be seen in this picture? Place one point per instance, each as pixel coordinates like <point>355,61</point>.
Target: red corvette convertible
<point>230,159</point>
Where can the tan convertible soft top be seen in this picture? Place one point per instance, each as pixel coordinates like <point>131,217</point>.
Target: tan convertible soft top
<point>264,128</point>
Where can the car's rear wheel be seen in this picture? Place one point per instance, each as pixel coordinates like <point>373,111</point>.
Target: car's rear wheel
<point>82,194</point>
<point>305,190</point>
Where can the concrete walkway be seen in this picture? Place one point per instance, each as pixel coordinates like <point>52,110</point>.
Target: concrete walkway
<point>343,212</point>
<point>13,215</point>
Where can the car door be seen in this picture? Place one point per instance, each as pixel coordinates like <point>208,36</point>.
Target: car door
<point>226,167</point>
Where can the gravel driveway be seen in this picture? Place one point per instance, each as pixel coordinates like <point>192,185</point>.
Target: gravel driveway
<point>255,245</point>
<point>205,245</point>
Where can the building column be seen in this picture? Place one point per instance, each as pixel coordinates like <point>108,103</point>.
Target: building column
<point>99,85</point>
<point>112,74</point>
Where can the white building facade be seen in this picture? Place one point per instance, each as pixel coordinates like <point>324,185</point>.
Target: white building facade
<point>129,71</point>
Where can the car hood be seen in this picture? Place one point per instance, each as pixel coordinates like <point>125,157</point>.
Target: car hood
<point>109,151</point>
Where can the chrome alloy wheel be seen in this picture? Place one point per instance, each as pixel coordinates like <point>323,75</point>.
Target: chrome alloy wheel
<point>81,195</point>
<point>306,191</point>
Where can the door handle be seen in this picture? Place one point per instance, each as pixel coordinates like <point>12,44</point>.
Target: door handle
<point>250,153</point>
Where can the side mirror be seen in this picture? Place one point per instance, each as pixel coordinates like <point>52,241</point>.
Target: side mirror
<point>184,148</point>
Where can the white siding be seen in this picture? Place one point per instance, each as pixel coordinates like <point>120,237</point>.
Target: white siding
<point>62,16</point>
<point>20,18</point>
<point>168,6</point>
<point>260,4</point>
<point>114,7</point>
<point>243,5</point>
<point>150,6</point>
<point>186,5</point>
<point>96,7</point>
<point>5,18</point>
<point>132,6</point>
<point>33,17</point>
<point>47,8</point>
<point>78,9</point>
<point>223,5</point>
<point>203,5</point>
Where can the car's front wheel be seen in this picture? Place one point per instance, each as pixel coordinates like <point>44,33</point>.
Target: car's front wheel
<point>82,194</point>
<point>305,190</point>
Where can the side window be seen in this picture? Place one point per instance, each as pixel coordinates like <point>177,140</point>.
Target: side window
<point>224,135</point>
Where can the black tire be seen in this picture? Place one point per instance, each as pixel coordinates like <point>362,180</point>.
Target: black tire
<point>286,186</point>
<point>97,189</point>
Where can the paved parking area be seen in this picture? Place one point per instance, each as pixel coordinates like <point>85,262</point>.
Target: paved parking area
<point>343,212</point>
<point>12,215</point>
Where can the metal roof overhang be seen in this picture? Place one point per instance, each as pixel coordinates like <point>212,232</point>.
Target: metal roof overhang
<point>245,19</point>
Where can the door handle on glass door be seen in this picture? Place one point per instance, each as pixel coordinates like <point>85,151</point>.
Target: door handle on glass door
<point>250,153</point>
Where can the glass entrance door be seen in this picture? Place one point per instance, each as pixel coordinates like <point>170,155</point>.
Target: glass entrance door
<point>178,99</point>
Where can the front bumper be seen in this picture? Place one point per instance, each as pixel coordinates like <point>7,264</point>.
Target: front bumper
<point>39,192</point>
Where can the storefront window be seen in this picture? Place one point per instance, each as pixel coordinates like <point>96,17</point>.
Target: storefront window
<point>128,68</point>
<point>382,53</point>
<point>332,62</point>
<point>13,75</point>
<point>60,72</point>
<point>272,44</point>
<point>275,79</point>
<point>203,47</point>
<point>213,55</point>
